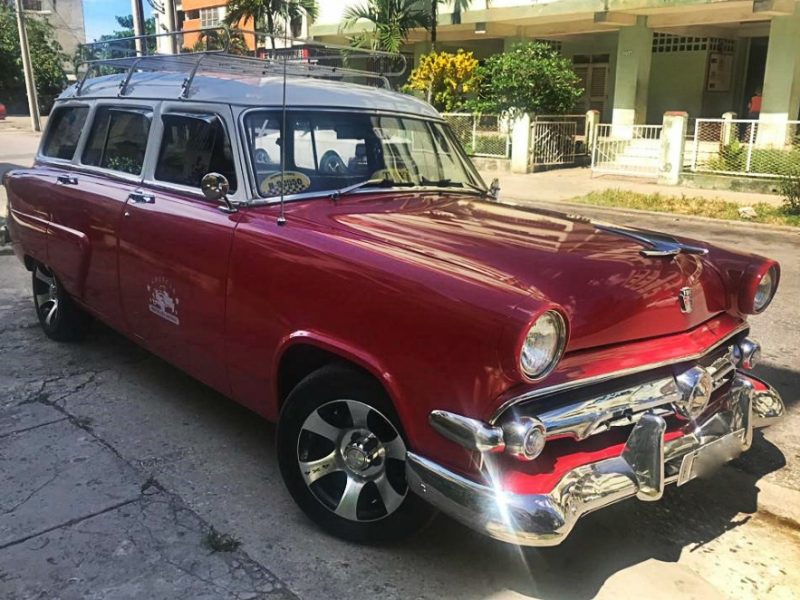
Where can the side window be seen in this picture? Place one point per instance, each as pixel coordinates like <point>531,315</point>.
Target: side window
<point>193,145</point>
<point>118,139</point>
<point>64,131</point>
<point>304,154</point>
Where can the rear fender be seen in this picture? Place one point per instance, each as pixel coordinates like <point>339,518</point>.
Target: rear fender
<point>68,252</point>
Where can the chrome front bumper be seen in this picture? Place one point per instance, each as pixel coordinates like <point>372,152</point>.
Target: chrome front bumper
<point>645,466</point>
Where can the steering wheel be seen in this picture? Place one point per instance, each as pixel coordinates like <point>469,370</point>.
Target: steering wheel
<point>332,163</point>
<point>261,157</point>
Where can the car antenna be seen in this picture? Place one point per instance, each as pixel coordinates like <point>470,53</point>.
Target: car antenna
<point>282,216</point>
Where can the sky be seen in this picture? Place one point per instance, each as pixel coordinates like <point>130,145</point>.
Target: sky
<point>99,15</point>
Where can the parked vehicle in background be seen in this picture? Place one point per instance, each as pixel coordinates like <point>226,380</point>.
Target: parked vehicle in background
<point>335,263</point>
<point>2,111</point>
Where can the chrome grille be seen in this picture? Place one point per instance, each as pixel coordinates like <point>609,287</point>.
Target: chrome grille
<point>624,406</point>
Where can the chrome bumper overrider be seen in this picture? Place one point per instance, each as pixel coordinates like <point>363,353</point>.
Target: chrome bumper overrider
<point>646,465</point>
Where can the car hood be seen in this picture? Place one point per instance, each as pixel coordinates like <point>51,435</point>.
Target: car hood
<point>609,291</point>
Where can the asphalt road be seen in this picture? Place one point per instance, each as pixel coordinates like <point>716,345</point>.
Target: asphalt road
<point>115,465</point>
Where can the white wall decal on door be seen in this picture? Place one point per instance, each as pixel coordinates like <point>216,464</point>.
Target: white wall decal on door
<point>163,300</point>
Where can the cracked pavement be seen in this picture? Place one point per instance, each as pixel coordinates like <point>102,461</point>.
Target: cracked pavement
<point>114,465</point>
<point>80,517</point>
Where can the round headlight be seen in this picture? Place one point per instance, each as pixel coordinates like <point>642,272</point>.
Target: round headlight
<point>543,345</point>
<point>765,290</point>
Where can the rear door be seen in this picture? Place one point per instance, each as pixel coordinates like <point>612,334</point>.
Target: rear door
<point>175,244</point>
<point>89,198</point>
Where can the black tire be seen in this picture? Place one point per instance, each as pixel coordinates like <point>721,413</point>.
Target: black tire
<point>61,319</point>
<point>333,390</point>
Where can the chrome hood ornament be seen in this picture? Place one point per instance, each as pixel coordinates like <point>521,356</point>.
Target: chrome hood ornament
<point>657,244</point>
<point>686,300</point>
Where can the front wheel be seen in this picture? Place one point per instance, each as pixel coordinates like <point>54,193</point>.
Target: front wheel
<point>342,456</point>
<point>60,318</point>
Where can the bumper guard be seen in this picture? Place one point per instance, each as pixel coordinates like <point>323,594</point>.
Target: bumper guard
<point>646,465</point>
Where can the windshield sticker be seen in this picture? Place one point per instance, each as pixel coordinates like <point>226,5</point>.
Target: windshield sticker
<point>163,301</point>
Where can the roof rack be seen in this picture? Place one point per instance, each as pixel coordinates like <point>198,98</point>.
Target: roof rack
<point>223,51</point>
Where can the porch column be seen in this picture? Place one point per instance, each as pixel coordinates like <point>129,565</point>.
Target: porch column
<point>634,54</point>
<point>781,94</point>
<point>420,50</point>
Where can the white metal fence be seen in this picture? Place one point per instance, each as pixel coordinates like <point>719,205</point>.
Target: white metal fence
<point>745,147</point>
<point>481,135</point>
<point>579,120</point>
<point>553,143</point>
<point>627,150</point>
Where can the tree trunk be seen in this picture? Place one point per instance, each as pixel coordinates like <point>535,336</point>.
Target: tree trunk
<point>434,15</point>
<point>271,28</point>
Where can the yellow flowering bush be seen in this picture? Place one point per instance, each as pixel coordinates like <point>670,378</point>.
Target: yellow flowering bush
<point>446,79</point>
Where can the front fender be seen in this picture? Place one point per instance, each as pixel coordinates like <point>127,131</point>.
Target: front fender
<point>342,348</point>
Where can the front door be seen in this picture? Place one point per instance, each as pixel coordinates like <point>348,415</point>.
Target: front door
<point>175,244</point>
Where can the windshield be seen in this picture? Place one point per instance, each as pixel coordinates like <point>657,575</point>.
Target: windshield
<point>328,151</point>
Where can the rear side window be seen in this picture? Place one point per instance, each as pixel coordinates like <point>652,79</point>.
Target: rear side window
<point>118,139</point>
<point>64,131</point>
<point>193,145</point>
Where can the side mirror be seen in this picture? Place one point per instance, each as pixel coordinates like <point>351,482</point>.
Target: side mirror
<point>494,189</point>
<point>215,188</point>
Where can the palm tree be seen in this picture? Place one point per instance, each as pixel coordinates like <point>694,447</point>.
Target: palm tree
<point>270,15</point>
<point>391,21</point>
<point>459,6</point>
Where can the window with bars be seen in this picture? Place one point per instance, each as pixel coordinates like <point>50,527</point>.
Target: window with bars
<point>212,17</point>
<point>34,5</point>
<point>665,42</point>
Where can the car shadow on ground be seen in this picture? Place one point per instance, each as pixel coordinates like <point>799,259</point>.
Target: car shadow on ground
<point>601,544</point>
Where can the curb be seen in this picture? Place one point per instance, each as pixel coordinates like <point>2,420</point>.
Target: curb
<point>6,250</point>
<point>780,503</point>
<point>774,502</point>
<point>632,212</point>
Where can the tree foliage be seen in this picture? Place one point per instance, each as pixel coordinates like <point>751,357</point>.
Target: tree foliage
<point>388,23</point>
<point>47,58</point>
<point>270,16</point>
<point>531,78</point>
<point>446,79</point>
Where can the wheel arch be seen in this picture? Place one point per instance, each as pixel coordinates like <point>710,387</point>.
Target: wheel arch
<point>304,352</point>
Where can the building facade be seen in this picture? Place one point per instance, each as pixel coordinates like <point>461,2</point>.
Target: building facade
<point>66,17</point>
<point>638,58</point>
<point>193,15</point>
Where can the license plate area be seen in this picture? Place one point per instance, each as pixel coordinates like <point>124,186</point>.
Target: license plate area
<point>707,459</point>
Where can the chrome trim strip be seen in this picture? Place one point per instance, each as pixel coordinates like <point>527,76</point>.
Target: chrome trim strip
<point>646,465</point>
<point>537,393</point>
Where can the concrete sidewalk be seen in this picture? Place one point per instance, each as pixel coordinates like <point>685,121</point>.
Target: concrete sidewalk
<point>566,184</point>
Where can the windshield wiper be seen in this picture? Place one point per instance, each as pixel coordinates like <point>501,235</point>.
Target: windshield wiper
<point>383,182</point>
<point>454,184</point>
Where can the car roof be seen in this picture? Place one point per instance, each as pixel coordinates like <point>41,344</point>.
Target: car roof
<point>251,91</point>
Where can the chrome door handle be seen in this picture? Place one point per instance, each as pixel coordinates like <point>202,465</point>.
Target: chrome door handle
<point>141,198</point>
<point>67,180</point>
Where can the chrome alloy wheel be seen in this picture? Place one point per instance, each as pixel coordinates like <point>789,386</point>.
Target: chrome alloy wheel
<point>352,459</point>
<point>45,294</point>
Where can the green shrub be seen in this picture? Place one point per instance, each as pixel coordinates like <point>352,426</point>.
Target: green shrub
<point>790,190</point>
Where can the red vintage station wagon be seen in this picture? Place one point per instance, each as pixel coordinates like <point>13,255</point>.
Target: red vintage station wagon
<point>325,254</point>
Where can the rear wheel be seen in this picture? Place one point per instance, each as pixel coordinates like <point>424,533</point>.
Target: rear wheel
<point>60,318</point>
<point>342,455</point>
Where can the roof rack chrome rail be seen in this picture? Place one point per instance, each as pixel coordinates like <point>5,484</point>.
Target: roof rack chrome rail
<point>222,56</point>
